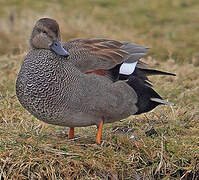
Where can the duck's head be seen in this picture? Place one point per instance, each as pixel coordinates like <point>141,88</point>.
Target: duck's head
<point>46,35</point>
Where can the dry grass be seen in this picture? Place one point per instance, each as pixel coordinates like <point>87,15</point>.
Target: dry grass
<point>30,149</point>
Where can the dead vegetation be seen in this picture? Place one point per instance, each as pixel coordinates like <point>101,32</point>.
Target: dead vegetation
<point>162,144</point>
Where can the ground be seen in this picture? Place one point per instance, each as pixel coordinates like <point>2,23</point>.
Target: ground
<point>162,144</point>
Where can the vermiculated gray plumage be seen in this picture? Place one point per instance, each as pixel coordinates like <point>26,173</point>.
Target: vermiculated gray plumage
<point>56,90</point>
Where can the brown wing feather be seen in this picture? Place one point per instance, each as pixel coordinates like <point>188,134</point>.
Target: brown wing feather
<point>94,54</point>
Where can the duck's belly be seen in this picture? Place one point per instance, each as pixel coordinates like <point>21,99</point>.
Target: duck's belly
<point>82,119</point>
<point>79,119</point>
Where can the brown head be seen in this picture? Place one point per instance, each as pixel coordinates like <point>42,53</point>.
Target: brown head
<point>46,35</point>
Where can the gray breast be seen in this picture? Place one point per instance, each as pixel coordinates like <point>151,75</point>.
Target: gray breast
<point>40,85</point>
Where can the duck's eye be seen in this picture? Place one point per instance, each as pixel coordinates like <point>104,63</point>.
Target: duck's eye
<point>44,32</point>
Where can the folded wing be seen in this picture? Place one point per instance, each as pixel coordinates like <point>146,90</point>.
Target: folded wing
<point>103,54</point>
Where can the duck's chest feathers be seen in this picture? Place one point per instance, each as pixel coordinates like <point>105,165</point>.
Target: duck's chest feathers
<point>40,83</point>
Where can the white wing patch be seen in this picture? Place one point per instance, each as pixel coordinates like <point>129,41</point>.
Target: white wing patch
<point>127,68</point>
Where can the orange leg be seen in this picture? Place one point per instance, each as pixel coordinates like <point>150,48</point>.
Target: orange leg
<point>71,133</point>
<point>99,132</point>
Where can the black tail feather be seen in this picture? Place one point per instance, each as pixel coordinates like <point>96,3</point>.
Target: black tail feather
<point>138,72</point>
<point>144,94</point>
<point>149,72</point>
<point>148,99</point>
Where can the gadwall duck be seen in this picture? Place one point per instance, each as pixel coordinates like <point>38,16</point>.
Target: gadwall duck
<point>84,82</point>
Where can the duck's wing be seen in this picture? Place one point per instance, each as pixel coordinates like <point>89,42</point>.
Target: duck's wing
<point>95,54</point>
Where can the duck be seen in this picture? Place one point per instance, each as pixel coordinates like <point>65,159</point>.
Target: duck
<point>84,82</point>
